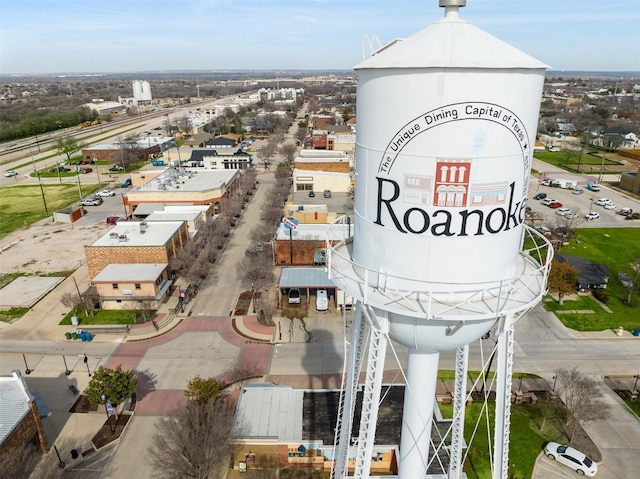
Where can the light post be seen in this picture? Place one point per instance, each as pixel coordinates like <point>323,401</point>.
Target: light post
<point>85,359</point>
<point>636,383</point>
<point>36,133</point>
<point>39,182</point>
<point>253,297</point>
<point>106,410</point>
<point>591,206</point>
<point>555,378</point>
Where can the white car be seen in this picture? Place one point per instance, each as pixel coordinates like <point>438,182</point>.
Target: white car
<point>322,302</point>
<point>592,216</point>
<point>563,211</point>
<point>571,215</point>
<point>106,193</point>
<point>603,201</point>
<point>572,458</point>
<point>548,201</point>
<point>610,206</point>
<point>11,173</point>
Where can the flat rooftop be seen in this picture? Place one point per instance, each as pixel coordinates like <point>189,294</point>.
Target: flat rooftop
<point>129,233</point>
<point>184,179</point>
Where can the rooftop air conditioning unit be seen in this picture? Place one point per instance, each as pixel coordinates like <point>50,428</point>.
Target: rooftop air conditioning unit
<point>113,235</point>
<point>122,238</point>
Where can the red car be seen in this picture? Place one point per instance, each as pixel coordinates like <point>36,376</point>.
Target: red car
<point>112,220</point>
<point>555,205</point>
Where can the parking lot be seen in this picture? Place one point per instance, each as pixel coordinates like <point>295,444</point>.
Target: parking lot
<point>582,204</point>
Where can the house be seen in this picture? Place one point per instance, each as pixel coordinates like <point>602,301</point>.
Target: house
<point>221,141</point>
<point>198,140</point>
<point>615,138</point>
<point>590,275</point>
<point>20,418</point>
<point>220,158</point>
<point>120,285</point>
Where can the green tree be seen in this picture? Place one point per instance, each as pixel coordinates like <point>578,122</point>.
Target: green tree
<point>115,384</point>
<point>204,391</point>
<point>67,146</point>
<point>562,279</point>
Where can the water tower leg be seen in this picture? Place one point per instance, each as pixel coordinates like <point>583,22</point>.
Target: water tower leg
<point>504,372</point>
<point>419,398</point>
<point>371,395</point>
<point>342,440</point>
<point>459,401</point>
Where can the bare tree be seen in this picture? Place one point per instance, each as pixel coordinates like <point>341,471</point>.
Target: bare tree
<point>72,301</point>
<point>18,463</point>
<point>288,150</point>
<point>301,134</point>
<point>629,279</point>
<point>266,308</point>
<point>582,397</point>
<point>257,270</point>
<point>194,441</point>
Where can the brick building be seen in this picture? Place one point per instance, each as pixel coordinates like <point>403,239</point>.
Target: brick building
<point>131,242</point>
<point>20,423</point>
<point>140,150</point>
<point>119,285</point>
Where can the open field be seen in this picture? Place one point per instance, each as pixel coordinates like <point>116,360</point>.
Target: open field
<point>21,206</point>
<point>618,248</point>
<point>584,162</point>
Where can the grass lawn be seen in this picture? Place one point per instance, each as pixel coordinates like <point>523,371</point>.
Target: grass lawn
<point>568,160</point>
<point>21,206</point>
<point>526,442</point>
<point>618,248</point>
<point>634,406</point>
<point>101,317</point>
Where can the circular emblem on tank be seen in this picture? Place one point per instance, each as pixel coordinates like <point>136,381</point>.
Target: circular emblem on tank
<point>458,170</point>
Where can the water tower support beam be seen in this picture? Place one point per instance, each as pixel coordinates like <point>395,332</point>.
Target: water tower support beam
<point>379,326</point>
<point>348,397</point>
<point>459,401</point>
<point>504,373</point>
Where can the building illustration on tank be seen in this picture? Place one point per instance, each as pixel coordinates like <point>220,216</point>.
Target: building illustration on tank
<point>439,254</point>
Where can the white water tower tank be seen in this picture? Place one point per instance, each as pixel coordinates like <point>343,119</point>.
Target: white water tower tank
<point>446,124</point>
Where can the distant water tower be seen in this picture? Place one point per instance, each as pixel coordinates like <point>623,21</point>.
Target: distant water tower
<point>440,254</point>
<point>141,91</point>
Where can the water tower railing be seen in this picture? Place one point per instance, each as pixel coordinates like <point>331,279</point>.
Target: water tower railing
<point>440,300</point>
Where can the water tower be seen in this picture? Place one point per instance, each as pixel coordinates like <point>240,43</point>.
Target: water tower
<point>440,254</point>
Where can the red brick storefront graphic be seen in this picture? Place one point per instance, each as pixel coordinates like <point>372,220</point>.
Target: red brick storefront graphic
<point>452,183</point>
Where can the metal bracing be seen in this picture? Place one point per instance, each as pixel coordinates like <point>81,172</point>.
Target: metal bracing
<point>346,407</point>
<point>504,373</point>
<point>460,399</point>
<point>371,395</point>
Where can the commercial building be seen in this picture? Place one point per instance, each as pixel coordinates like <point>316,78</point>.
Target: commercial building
<point>155,242</point>
<point>182,186</point>
<point>20,421</point>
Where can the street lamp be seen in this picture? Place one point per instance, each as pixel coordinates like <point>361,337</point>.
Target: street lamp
<point>106,410</point>
<point>86,361</point>
<point>46,210</point>
<point>555,378</point>
<point>591,206</point>
<point>636,383</point>
<point>36,133</point>
<point>253,298</point>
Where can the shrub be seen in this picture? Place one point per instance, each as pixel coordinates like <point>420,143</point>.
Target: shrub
<point>601,295</point>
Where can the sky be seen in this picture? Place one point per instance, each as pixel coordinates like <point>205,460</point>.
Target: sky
<point>82,36</point>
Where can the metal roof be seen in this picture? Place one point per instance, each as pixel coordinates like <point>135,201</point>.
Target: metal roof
<point>14,402</point>
<point>129,233</point>
<point>450,43</point>
<point>305,277</point>
<point>271,412</point>
<point>314,231</point>
<point>131,272</point>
